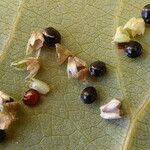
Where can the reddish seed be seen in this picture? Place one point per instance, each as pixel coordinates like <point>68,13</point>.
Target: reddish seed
<point>31,97</point>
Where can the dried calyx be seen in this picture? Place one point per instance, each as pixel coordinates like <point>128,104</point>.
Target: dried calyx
<point>121,35</point>
<point>61,53</point>
<point>39,86</point>
<point>111,110</point>
<point>31,64</point>
<point>77,68</point>
<point>8,110</point>
<point>35,42</point>
<point>135,26</point>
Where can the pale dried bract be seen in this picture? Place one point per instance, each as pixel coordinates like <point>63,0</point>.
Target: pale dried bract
<point>35,42</point>
<point>111,110</point>
<point>135,26</point>
<point>121,35</point>
<point>40,86</point>
<point>31,64</point>
<point>77,68</point>
<point>62,53</point>
<point>8,115</point>
<point>3,98</point>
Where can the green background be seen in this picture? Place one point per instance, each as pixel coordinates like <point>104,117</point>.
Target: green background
<point>62,121</point>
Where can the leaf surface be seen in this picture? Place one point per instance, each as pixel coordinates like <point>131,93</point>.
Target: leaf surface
<point>62,121</point>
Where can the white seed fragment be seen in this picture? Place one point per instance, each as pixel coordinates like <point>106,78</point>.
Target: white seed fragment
<point>136,26</point>
<point>121,35</point>
<point>77,68</point>
<point>40,86</point>
<point>111,110</point>
<point>35,42</point>
<point>61,53</point>
<point>8,115</point>
<point>31,64</point>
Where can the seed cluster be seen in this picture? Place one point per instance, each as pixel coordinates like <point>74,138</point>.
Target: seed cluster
<point>76,68</point>
<point>135,26</point>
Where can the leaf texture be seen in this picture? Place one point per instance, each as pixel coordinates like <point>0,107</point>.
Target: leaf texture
<point>61,121</point>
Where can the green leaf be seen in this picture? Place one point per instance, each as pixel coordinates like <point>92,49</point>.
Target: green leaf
<point>62,121</point>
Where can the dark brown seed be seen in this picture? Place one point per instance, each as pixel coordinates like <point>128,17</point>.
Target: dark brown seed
<point>51,36</point>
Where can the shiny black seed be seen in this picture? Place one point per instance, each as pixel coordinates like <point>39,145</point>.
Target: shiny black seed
<point>51,36</point>
<point>146,14</point>
<point>2,135</point>
<point>88,95</point>
<point>97,68</point>
<point>133,49</point>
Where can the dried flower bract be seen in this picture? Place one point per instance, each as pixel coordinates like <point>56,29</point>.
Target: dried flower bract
<point>121,35</point>
<point>77,68</point>
<point>111,110</point>
<point>39,86</point>
<point>7,110</point>
<point>35,42</point>
<point>31,64</point>
<point>135,26</point>
<point>8,115</point>
<point>62,53</point>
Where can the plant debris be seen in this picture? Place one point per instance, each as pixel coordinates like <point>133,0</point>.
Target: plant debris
<point>135,26</point>
<point>121,35</point>
<point>39,86</point>
<point>35,42</point>
<point>111,110</point>
<point>62,53</point>
<point>8,110</point>
<point>77,68</point>
<point>31,64</point>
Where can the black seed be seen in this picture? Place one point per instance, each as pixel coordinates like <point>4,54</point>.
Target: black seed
<point>88,95</point>
<point>133,49</point>
<point>2,135</point>
<point>97,68</point>
<point>51,36</point>
<point>146,13</point>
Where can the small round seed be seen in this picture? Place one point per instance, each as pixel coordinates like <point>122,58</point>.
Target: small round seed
<point>97,68</point>
<point>146,14</point>
<point>133,49</point>
<point>31,97</point>
<point>51,36</point>
<point>88,95</point>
